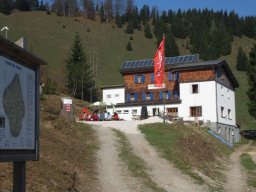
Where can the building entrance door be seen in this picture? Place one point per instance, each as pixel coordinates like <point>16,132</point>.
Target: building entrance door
<point>155,111</point>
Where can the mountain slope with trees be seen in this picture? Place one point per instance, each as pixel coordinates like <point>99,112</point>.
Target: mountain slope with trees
<point>105,45</point>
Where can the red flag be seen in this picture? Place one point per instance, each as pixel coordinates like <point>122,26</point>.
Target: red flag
<point>159,65</point>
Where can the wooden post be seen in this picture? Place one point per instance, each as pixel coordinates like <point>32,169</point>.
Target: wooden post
<point>19,176</point>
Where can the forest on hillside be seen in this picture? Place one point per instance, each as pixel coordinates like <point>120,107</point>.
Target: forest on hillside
<point>207,32</point>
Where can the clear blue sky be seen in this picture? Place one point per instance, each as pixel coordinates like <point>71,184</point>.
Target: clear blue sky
<point>242,7</point>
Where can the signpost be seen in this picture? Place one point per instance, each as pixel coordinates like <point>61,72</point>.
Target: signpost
<point>19,109</point>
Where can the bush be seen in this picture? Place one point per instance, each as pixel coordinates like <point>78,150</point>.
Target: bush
<point>129,46</point>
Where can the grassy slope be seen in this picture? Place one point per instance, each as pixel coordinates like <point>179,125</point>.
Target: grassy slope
<point>48,39</point>
<point>182,145</point>
<point>67,156</point>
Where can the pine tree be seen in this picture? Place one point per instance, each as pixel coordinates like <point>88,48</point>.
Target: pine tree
<point>5,7</point>
<point>147,31</point>
<point>129,46</point>
<point>78,72</point>
<point>171,47</point>
<point>241,60</point>
<point>130,28</point>
<point>252,82</point>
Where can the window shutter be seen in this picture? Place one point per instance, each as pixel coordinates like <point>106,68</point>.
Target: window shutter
<point>143,78</point>
<point>169,76</point>
<point>177,76</point>
<point>135,78</point>
<point>169,94</point>
<point>161,95</point>
<point>128,97</point>
<point>143,96</point>
<point>151,96</point>
<point>136,96</point>
<point>152,78</point>
<point>176,95</point>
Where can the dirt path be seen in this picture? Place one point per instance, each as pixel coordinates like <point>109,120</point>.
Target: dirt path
<point>113,176</point>
<point>161,171</point>
<point>236,178</point>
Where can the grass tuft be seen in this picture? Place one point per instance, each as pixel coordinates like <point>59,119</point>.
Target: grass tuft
<point>250,166</point>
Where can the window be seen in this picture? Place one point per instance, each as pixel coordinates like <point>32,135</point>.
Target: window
<point>116,95</point>
<point>196,111</point>
<point>194,88</point>
<point>229,114</point>
<point>172,111</point>
<point>139,78</point>
<point>222,111</point>
<point>125,111</point>
<point>219,130</point>
<point>132,97</point>
<point>134,111</point>
<point>172,76</point>
<point>167,94</point>
<point>148,96</point>
<point>108,96</point>
<point>118,111</point>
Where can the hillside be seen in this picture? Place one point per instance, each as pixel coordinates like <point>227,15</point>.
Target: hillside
<point>50,37</point>
<point>67,155</point>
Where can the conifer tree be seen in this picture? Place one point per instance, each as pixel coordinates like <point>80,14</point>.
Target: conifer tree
<point>129,46</point>
<point>252,82</point>
<point>241,60</point>
<point>147,31</point>
<point>78,72</point>
<point>130,28</point>
<point>5,7</point>
<point>171,47</point>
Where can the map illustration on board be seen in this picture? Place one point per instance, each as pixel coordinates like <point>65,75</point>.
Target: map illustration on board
<point>14,106</point>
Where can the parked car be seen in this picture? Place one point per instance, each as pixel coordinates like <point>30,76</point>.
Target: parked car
<point>248,134</point>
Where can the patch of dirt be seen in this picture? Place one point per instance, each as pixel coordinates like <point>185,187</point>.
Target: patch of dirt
<point>193,150</point>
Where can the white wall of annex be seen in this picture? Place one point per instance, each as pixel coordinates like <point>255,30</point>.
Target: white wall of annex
<point>206,97</point>
<point>127,112</point>
<point>226,99</point>
<point>113,95</point>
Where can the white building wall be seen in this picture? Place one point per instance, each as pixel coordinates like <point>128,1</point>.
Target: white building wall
<point>128,112</point>
<point>206,97</point>
<point>226,99</point>
<point>113,95</point>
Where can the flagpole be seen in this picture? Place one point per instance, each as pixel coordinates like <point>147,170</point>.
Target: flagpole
<point>164,83</point>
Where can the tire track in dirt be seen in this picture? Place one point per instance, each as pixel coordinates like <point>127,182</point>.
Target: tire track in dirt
<point>113,176</point>
<point>236,177</point>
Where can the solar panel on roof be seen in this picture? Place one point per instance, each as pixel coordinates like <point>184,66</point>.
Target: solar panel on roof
<point>180,59</point>
<point>190,58</point>
<point>145,63</point>
<point>136,64</point>
<point>167,61</point>
<point>175,60</point>
<point>185,59</point>
<point>142,63</point>
<point>171,60</point>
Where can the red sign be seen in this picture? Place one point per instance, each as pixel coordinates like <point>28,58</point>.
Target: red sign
<point>68,108</point>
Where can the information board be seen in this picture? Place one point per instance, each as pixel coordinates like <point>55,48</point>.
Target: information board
<point>17,106</point>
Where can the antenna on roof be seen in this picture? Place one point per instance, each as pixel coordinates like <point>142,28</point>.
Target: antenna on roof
<point>6,29</point>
